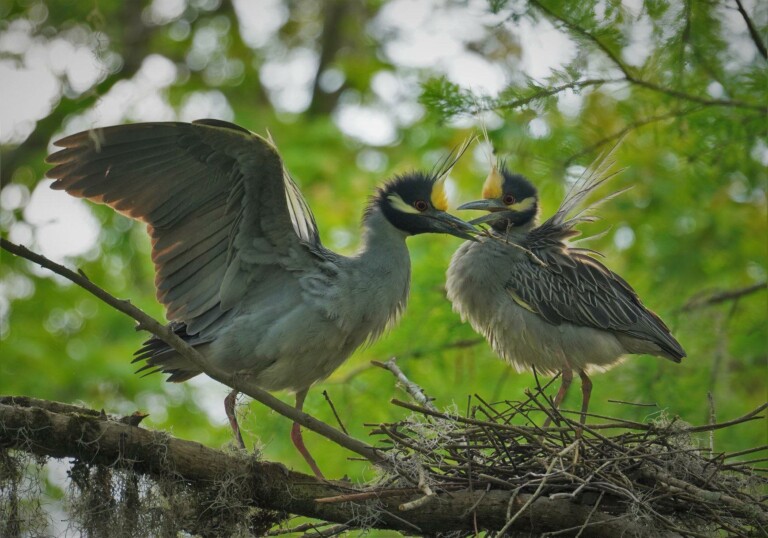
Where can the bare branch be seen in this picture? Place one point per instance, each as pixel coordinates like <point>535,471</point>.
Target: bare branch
<point>723,296</point>
<point>753,33</point>
<point>414,390</point>
<point>629,76</point>
<point>96,441</point>
<point>752,415</point>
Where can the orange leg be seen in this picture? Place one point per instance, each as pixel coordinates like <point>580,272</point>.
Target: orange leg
<point>565,383</point>
<point>229,407</point>
<point>586,392</point>
<point>298,440</point>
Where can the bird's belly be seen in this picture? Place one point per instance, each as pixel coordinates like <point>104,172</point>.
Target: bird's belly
<point>284,349</point>
<point>525,340</point>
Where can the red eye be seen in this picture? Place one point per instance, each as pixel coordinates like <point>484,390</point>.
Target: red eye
<point>508,199</point>
<point>421,205</point>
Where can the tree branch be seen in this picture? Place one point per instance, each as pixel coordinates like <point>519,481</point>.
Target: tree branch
<point>547,92</point>
<point>753,33</point>
<point>634,79</point>
<point>721,297</point>
<point>414,390</point>
<point>628,129</point>
<point>97,440</point>
<point>237,381</point>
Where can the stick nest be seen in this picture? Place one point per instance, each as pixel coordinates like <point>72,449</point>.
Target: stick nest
<point>656,473</point>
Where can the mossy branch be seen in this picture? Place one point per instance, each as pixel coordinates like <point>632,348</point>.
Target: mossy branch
<point>49,429</point>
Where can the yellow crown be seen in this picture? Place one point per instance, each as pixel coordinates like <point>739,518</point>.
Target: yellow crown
<point>439,195</point>
<point>492,188</point>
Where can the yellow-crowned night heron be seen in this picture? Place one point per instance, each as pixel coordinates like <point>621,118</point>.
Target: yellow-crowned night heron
<point>539,301</point>
<point>239,263</point>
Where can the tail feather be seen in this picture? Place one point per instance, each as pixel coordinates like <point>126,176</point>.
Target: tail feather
<point>159,357</point>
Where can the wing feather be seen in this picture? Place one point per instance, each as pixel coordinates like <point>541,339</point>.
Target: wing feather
<point>588,295</point>
<point>206,190</point>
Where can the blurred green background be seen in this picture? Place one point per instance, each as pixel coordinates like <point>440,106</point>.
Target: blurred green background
<point>354,92</point>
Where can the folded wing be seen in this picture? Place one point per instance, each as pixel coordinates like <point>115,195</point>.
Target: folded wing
<point>578,289</point>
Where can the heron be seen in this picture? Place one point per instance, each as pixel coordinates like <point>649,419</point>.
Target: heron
<point>542,302</point>
<point>239,264</point>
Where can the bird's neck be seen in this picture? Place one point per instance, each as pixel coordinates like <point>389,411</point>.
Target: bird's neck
<point>382,240</point>
<point>379,274</point>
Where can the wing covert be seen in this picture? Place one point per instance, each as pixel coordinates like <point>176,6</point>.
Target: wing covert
<point>583,292</point>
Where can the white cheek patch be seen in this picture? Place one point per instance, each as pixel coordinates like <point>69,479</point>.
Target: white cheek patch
<point>400,204</point>
<point>523,205</point>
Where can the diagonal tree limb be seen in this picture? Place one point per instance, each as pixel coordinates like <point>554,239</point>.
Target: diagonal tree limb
<point>414,390</point>
<point>630,77</point>
<point>753,32</point>
<point>236,381</point>
<point>548,92</point>
<point>628,129</point>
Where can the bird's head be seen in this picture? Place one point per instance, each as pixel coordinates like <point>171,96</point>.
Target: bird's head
<point>416,203</point>
<point>510,199</point>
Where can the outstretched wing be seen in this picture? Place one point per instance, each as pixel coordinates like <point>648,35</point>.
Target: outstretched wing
<point>216,198</point>
<point>576,288</point>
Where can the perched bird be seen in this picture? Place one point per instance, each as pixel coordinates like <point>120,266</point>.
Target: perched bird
<point>541,302</point>
<point>239,263</point>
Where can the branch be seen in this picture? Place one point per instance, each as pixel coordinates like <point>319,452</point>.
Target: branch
<point>753,33</point>
<point>626,130</point>
<point>415,391</point>
<point>721,297</point>
<point>575,28</point>
<point>547,92</point>
<point>634,79</point>
<point>532,433</point>
<point>97,440</point>
<point>238,382</point>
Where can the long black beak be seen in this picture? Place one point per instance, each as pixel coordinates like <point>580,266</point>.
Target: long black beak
<point>448,224</point>
<point>493,206</point>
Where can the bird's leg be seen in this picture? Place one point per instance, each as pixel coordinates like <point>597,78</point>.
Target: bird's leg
<point>298,440</point>
<point>565,383</point>
<point>229,407</point>
<point>586,392</point>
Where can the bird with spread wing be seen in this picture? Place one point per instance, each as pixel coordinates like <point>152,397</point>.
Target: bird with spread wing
<point>239,264</point>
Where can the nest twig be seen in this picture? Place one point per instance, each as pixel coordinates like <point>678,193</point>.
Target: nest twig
<point>654,472</point>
